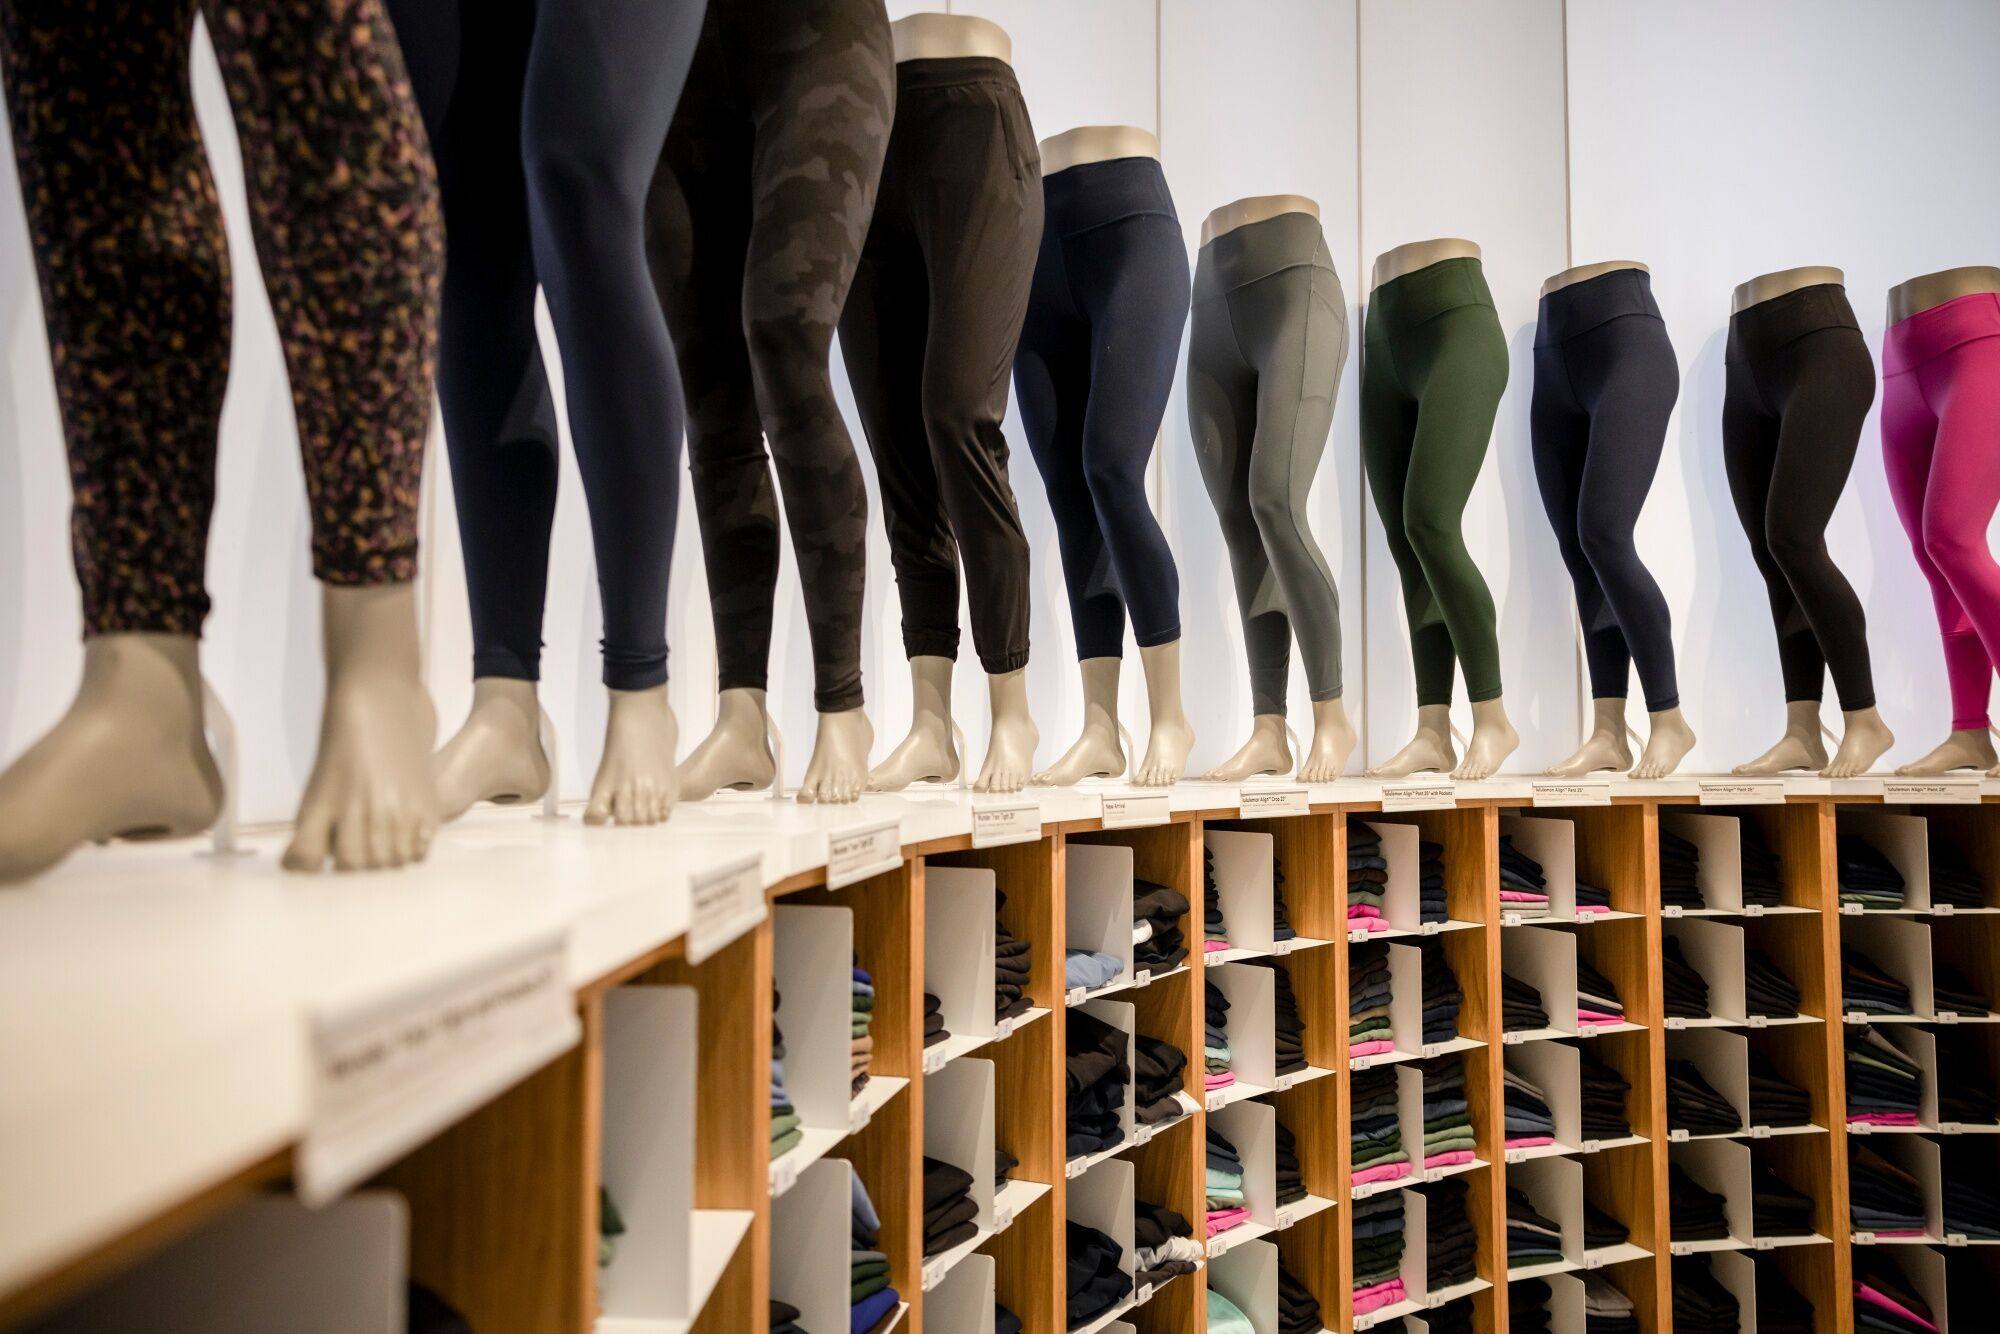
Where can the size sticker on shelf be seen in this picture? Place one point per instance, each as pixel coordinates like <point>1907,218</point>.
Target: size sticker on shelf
<point>856,854</point>
<point>1763,1244</point>
<point>1004,1028</point>
<point>1006,822</point>
<point>1593,1260</point>
<point>1760,1132</point>
<point>1440,794</point>
<point>784,1175</point>
<point>724,903</point>
<point>1216,1101</point>
<point>1074,1168</point>
<point>390,1072</point>
<point>859,1114</point>
<point>1930,791</point>
<point>1141,1134</point>
<point>934,1272</point>
<point>1955,1239</point>
<point>1941,909</point>
<point>1143,1295</point>
<point>1590,1146</point>
<point>1510,919</point>
<point>1359,936</point>
<point>1850,910</point>
<point>1947,1016</point>
<point>1570,792</point>
<point>935,1059</point>
<point>1287,1216</point>
<point>1857,1016</point>
<point>1757,1020</point>
<point>1075,995</point>
<point>1677,1137</point>
<point>1254,801</point>
<point>1002,1219</point>
<point>1135,809</point>
<point>1740,791</point>
<point>1670,910</point>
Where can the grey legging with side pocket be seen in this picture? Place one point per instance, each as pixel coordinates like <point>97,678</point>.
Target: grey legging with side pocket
<point>1268,340</point>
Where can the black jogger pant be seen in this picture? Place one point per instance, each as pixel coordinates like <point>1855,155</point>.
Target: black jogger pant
<point>756,222</point>
<point>547,120</point>
<point>1605,384</point>
<point>1799,385</point>
<point>928,336</point>
<point>1096,365</point>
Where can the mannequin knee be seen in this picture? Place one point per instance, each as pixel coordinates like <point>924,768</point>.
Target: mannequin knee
<point>1956,549</point>
<point>579,185</point>
<point>1114,476</point>
<point>1432,535</point>
<point>955,412</point>
<point>1605,544</point>
<point>788,364</point>
<point>1794,546</point>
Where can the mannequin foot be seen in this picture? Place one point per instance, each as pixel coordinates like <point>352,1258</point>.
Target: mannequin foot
<point>1010,755</point>
<point>1268,751</point>
<point>1599,752</point>
<point>838,772</point>
<point>1166,753</point>
<point>636,780</point>
<point>736,753</point>
<point>1493,740</point>
<point>1428,752</point>
<point>926,755</point>
<point>497,755</point>
<point>127,760</point>
<point>1965,748</point>
<point>1865,740</point>
<point>1668,744</point>
<point>1792,753</point>
<point>371,801</point>
<point>1096,754</point>
<point>1332,743</point>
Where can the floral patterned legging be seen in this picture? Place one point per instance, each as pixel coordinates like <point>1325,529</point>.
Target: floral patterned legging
<point>134,270</point>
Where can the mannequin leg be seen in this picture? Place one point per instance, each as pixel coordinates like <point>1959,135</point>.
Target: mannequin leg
<point>1098,751</point>
<point>927,754</point>
<point>1170,737</point>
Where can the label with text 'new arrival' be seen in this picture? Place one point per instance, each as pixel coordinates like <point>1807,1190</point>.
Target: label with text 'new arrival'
<point>1136,808</point>
<point>855,854</point>
<point>389,1073</point>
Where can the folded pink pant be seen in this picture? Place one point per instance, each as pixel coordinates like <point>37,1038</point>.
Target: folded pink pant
<point>1383,1172</point>
<point>1863,1292</point>
<point>1221,1081</point>
<point>1378,1296</point>
<point>1530,1141</point>
<point>1452,1159</point>
<point>1221,1220</point>
<point>1214,946</point>
<point>1375,1048</point>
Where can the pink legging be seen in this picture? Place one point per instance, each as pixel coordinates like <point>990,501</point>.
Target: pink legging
<point>1941,446</point>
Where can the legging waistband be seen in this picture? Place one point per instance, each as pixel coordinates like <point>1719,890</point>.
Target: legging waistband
<point>1581,307</point>
<point>953,71</point>
<point>1256,250</point>
<point>1404,302</point>
<point>1930,333</point>
<point>1092,194</point>
<point>1769,325</point>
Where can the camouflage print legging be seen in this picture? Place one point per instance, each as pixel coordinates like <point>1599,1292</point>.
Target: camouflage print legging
<point>756,223</point>
<point>134,269</point>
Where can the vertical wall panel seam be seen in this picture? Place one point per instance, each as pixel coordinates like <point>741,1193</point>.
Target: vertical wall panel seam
<point>1583,687</point>
<point>1361,307</point>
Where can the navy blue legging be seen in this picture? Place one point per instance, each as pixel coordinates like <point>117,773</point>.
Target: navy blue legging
<point>1093,373</point>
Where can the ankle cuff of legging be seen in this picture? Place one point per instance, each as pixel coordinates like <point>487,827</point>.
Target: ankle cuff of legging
<point>1158,637</point>
<point>1000,666</point>
<point>506,664</point>
<point>1662,705</point>
<point>1979,724</point>
<point>637,674</point>
<point>1115,649</point>
<point>741,680</point>
<point>1322,696</point>
<point>839,701</point>
<point>1478,694</point>
<point>930,644</point>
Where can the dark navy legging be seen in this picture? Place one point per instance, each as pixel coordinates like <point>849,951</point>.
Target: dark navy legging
<point>1093,373</point>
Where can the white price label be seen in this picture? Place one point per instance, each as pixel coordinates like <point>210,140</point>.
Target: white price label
<point>1670,910</point>
<point>1074,1168</point>
<point>1570,792</point>
<point>1593,1260</point>
<point>1510,919</point>
<point>935,1059</point>
<point>1141,1135</point>
<point>1216,1101</point>
<point>1955,1239</point>
<point>1260,801</point>
<point>857,854</point>
<point>1002,1219</point>
<point>1863,1238</point>
<point>1930,791</point>
<point>1590,1146</point>
<point>784,1175</point>
<point>1677,1137</point>
<point>1850,910</point>
<point>1359,937</point>
<point>1760,1132</point>
<point>934,1272</point>
<point>1287,1216</point>
<point>1143,1295</point>
<point>1433,795</point>
<point>1762,1244</point>
<point>1075,995</point>
<point>1857,1016</point>
<point>1675,1022</point>
<point>723,904</point>
<point>1740,791</point>
<point>1006,822</point>
<point>1513,1039</point>
<point>1758,1021</point>
<point>1753,910</point>
<point>1947,1016</point>
<point>392,1071</point>
<point>1942,909</point>
<point>1681,1248</point>
<point>1135,809</point>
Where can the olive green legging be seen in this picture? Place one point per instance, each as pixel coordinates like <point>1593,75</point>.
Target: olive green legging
<point>1433,367</point>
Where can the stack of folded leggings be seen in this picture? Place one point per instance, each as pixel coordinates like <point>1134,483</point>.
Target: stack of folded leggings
<point>1701,1304</point>
<point>1290,1036</point>
<point>1884,1086</point>
<point>1521,1007</point>
<point>1012,957</point>
<point>1005,1321</point>
<point>1866,989</point>
<point>1367,878</point>
<point>1694,1213</point>
<point>1601,1230</point>
<point>1953,880</point>
<point>1369,1031</point>
<point>1281,917</point>
<point>1606,1308</point>
<point>1291,1173</point>
<point>1970,1102</point>
<point>1523,887</point>
<point>1884,1199</point>
<point>1227,1205</point>
<point>1095,1280</point>
<point>1090,969</point>
<point>1530,1123</point>
<point>1776,1209</point>
<point>1531,1238</point>
<point>785,1318</point>
<point>1951,993</point>
<point>1781,1309</point>
<point>1448,1139</point>
<point>1686,990</point>
<point>1680,871</point>
<point>872,1297</point>
<point>1430,882</point>
<point>934,1029</point>
<point>1694,1105</point>
<point>1604,1093</point>
<point>1298,1309</point>
<point>1867,878</point>
<point>1375,1131</point>
<point>1528,1307</point>
<point>1454,1317</point>
<point>1156,1078</point>
<point>1761,884</point>
<point>1163,1245</point>
<point>1597,1000</point>
<point>1453,1247</point>
<point>1216,1053</point>
<point>1159,909</point>
<point>1775,1101</point>
<point>1097,1072</point>
<point>861,1043</point>
<point>785,1132</point>
<point>949,1209</point>
<point>1885,1301</point>
<point>1767,991</point>
<point>1443,997</point>
<point>1378,1251</point>
<point>1214,931</point>
<point>1971,1208</point>
<point>1592,899</point>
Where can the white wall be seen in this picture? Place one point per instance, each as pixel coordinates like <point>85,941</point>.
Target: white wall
<point>1713,140</point>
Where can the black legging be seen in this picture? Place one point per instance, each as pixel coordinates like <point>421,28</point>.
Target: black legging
<point>756,222</point>
<point>547,120</point>
<point>1093,373</point>
<point>1799,385</point>
<point>1605,384</point>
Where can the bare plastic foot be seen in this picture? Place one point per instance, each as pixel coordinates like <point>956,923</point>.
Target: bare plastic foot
<point>1606,748</point>
<point>1666,745</point>
<point>1268,751</point>
<point>1493,740</point>
<point>736,753</point>
<point>1332,743</point>
<point>838,771</point>
<point>371,800</point>
<point>128,759</point>
<point>1096,754</point>
<point>497,755</point>
<point>1800,748</point>
<point>926,755</point>
<point>1010,748</point>
<point>1429,751</point>
<point>1166,753</point>
<point>1965,748</point>
<point>637,781</point>
<point>1864,740</point>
